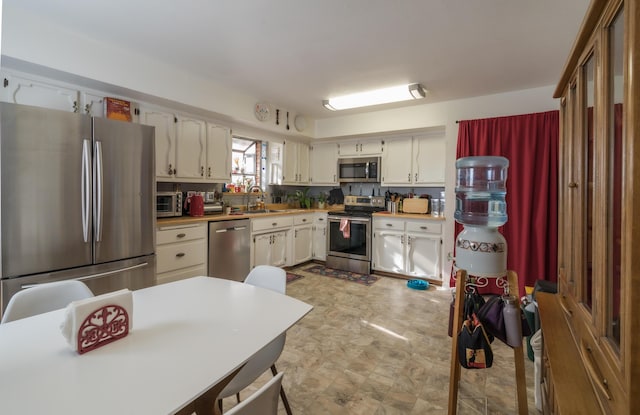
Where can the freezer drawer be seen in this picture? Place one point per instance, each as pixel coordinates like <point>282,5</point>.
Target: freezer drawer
<point>132,273</point>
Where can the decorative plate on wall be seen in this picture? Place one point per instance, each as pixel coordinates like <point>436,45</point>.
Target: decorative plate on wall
<point>263,111</point>
<point>300,122</point>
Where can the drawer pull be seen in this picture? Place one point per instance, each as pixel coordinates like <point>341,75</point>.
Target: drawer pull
<point>389,225</point>
<point>424,228</point>
<point>181,235</point>
<point>180,254</point>
<point>599,380</point>
<point>274,224</point>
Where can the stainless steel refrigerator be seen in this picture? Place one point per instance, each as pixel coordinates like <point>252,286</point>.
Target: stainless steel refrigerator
<point>77,200</point>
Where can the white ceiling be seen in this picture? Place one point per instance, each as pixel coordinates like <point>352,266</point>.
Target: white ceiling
<point>295,53</point>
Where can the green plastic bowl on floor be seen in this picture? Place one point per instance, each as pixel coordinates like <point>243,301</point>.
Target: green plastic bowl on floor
<point>418,284</point>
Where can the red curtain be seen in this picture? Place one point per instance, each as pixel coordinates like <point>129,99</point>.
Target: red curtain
<point>530,142</point>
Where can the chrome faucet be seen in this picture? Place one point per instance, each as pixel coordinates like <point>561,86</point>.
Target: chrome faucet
<point>249,191</point>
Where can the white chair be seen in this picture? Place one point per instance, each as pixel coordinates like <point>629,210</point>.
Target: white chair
<point>43,298</point>
<point>264,401</point>
<point>272,278</point>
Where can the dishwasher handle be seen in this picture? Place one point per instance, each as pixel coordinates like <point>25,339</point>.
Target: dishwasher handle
<point>233,228</point>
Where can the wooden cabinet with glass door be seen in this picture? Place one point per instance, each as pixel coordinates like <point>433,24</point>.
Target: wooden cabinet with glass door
<point>599,246</point>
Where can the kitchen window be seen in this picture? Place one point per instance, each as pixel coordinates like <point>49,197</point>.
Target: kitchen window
<point>246,162</point>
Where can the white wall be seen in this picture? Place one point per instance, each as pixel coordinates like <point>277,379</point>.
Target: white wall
<point>28,39</point>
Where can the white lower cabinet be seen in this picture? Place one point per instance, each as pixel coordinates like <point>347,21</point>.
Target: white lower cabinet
<point>408,247</point>
<point>270,240</point>
<point>181,252</point>
<point>270,249</point>
<point>302,238</point>
<point>320,236</point>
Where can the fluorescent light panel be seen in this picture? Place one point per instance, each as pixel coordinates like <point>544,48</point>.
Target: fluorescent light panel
<point>375,97</point>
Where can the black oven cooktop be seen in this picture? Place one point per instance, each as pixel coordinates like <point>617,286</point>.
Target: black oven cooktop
<point>363,206</point>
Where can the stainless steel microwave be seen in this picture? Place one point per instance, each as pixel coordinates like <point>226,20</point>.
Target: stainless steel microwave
<point>366,169</point>
<point>168,204</point>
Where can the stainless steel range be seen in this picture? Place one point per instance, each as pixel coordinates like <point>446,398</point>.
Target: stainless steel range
<point>349,242</point>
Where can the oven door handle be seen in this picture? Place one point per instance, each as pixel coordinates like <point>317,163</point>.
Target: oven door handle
<point>339,218</point>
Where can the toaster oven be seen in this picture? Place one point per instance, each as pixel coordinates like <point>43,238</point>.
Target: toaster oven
<point>168,204</point>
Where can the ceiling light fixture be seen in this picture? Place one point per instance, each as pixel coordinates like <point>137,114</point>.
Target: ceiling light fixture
<point>375,97</point>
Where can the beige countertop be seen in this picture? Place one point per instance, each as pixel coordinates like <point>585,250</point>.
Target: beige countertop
<point>187,220</point>
<point>401,215</point>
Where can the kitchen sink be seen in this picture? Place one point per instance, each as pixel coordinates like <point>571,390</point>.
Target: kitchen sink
<point>251,212</point>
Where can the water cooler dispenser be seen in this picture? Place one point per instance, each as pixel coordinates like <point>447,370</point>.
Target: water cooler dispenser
<point>481,208</point>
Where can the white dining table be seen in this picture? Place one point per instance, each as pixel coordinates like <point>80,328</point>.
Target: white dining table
<point>187,337</point>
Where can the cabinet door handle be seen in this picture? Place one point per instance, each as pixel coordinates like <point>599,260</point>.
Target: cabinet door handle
<point>180,254</point>
<point>181,235</point>
<point>334,177</point>
<point>573,185</point>
<point>402,240</point>
<point>416,177</point>
<point>170,171</point>
<point>201,171</point>
<point>295,233</point>
<point>408,240</point>
<point>409,177</point>
<point>209,172</point>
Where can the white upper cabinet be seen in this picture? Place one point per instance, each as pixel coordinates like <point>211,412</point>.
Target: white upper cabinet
<point>92,104</point>
<point>165,124</point>
<point>295,166</point>
<point>188,148</point>
<point>429,156</point>
<point>396,162</point>
<point>24,91</point>
<point>323,169</point>
<point>191,148</point>
<point>360,148</point>
<point>416,161</point>
<point>218,153</point>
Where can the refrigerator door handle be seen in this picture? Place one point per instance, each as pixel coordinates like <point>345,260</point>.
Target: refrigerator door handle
<point>100,274</point>
<point>85,189</point>
<point>98,191</point>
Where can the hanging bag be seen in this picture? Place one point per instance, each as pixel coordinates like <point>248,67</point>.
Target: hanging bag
<point>474,347</point>
<point>491,314</point>
<point>473,301</point>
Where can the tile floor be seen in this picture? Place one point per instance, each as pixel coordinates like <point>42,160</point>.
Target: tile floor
<point>380,350</point>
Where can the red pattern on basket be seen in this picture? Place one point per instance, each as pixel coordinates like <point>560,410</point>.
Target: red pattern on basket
<point>103,326</point>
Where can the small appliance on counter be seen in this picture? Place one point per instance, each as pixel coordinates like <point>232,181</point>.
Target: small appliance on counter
<point>212,204</point>
<point>168,204</point>
<point>194,204</point>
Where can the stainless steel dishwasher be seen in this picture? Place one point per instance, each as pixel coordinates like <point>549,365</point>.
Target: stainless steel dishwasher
<point>229,249</point>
